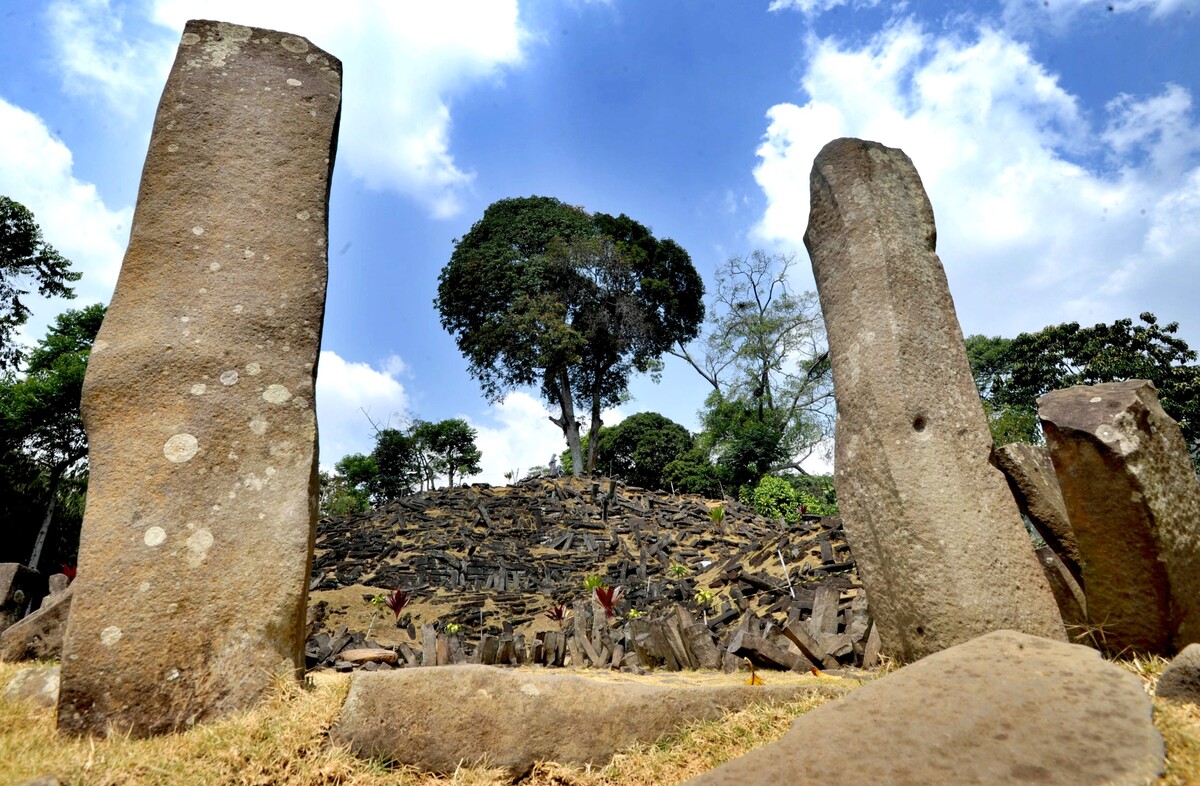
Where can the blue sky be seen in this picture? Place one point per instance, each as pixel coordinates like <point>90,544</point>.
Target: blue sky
<point>1059,142</point>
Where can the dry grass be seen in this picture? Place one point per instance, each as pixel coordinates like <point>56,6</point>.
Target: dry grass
<point>1178,723</point>
<point>285,742</point>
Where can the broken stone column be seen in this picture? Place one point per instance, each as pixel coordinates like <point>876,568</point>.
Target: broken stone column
<point>939,543</point>
<point>198,401</point>
<point>1030,475</point>
<point>1134,501</point>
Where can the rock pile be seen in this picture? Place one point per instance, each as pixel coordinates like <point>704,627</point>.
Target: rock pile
<point>484,564</point>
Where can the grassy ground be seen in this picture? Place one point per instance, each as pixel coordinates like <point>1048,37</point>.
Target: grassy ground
<point>284,742</point>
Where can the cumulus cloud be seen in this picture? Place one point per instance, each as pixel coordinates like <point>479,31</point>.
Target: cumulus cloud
<point>816,7</point>
<point>350,396</point>
<point>1044,215</point>
<point>518,435</point>
<point>1059,15</point>
<point>37,171</point>
<point>403,65</point>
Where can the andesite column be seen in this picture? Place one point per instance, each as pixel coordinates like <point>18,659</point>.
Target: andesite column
<point>939,542</point>
<point>198,402</point>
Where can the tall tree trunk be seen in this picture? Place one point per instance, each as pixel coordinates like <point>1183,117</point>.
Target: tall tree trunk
<point>568,423</point>
<point>594,426</point>
<point>36,556</point>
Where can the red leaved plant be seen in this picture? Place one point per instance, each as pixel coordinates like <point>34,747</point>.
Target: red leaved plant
<point>608,597</point>
<point>558,614</point>
<point>396,600</point>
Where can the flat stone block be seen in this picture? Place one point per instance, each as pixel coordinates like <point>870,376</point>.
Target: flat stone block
<point>444,716</point>
<point>1003,708</point>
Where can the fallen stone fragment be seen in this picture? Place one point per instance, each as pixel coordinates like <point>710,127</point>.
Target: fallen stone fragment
<point>368,655</point>
<point>1029,471</point>
<point>18,584</point>
<point>939,542</point>
<point>57,584</point>
<point>1181,679</point>
<point>1133,498</point>
<point>40,635</point>
<point>440,717</point>
<point>38,684</point>
<point>198,399</point>
<point>1004,708</point>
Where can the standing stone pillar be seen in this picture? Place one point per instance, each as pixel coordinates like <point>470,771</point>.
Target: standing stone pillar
<point>1133,497</point>
<point>198,402</point>
<point>939,543</point>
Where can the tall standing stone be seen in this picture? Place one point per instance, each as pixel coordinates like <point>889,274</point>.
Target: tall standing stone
<point>198,401</point>
<point>939,543</point>
<point>1133,497</point>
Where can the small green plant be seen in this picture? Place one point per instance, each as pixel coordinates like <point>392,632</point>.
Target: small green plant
<point>677,570</point>
<point>703,598</point>
<point>594,582</point>
<point>452,628</point>
<point>717,514</point>
<point>634,614</point>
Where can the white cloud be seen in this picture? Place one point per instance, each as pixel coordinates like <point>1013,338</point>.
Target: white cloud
<point>350,396</point>
<point>403,65</point>
<point>1058,15</point>
<point>816,7</point>
<point>97,54</point>
<point>1042,217</point>
<point>37,170</point>
<point>518,435</point>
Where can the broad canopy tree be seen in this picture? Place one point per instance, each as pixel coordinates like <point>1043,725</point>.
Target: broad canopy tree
<point>541,293</point>
<point>26,260</point>
<point>1012,373</point>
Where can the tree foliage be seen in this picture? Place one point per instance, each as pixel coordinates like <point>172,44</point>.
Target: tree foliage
<point>404,461</point>
<point>541,293</point>
<point>26,261</point>
<point>1012,373</point>
<point>765,357</point>
<point>446,448</point>
<point>638,449</point>
<point>39,412</point>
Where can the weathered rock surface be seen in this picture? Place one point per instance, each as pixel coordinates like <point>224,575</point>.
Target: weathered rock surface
<point>1180,680</point>
<point>1072,603</point>
<point>1134,503</point>
<point>1029,471</point>
<point>38,684</point>
<point>198,400</point>
<point>937,536</point>
<point>437,718</point>
<point>18,585</point>
<point>1003,708</point>
<point>40,635</point>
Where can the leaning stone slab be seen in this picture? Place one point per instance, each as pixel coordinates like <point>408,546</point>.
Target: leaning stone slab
<point>40,635</point>
<point>1029,471</point>
<point>939,542</point>
<point>1003,708</point>
<point>1134,501</point>
<point>1180,680</point>
<point>441,717</point>
<point>198,400</point>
